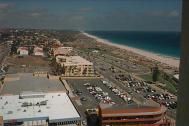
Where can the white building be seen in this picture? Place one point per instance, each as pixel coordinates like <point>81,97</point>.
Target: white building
<point>38,51</point>
<point>75,66</point>
<point>22,51</point>
<point>62,51</point>
<point>38,109</point>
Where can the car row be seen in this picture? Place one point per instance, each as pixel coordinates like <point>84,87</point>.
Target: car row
<point>118,92</point>
<point>98,93</point>
<point>144,89</point>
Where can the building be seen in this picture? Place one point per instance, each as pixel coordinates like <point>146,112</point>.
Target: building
<point>38,109</point>
<point>119,115</point>
<point>38,51</point>
<point>22,51</point>
<point>65,51</point>
<point>1,120</point>
<point>75,66</point>
<point>92,117</point>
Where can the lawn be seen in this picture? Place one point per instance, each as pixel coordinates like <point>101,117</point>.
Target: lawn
<point>168,85</point>
<point>147,77</point>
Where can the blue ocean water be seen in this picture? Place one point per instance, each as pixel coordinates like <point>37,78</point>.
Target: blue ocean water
<point>165,43</point>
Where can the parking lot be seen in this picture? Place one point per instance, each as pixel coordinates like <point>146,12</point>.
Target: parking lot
<point>93,92</point>
<point>141,91</point>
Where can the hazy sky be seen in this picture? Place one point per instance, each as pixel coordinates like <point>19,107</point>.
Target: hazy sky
<point>145,15</point>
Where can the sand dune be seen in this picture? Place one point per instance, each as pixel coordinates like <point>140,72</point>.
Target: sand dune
<point>171,61</point>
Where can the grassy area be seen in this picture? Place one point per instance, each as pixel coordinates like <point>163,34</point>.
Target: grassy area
<point>147,77</point>
<point>168,85</point>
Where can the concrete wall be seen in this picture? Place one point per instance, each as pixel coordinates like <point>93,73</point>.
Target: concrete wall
<point>183,98</point>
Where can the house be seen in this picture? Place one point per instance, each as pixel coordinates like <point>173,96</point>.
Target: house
<point>38,51</point>
<point>22,51</point>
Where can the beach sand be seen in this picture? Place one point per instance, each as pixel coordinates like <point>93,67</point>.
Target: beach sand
<point>171,61</point>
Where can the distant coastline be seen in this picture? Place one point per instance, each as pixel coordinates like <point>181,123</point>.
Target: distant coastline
<point>171,61</point>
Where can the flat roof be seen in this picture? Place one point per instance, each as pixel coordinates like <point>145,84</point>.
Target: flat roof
<point>62,50</point>
<point>58,108</point>
<point>130,110</point>
<point>75,60</point>
<point>16,83</point>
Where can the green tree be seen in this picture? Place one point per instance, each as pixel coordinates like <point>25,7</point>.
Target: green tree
<point>155,73</point>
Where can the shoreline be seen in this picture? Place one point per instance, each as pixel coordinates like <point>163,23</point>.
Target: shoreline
<point>171,61</point>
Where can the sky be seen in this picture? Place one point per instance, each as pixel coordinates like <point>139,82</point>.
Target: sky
<point>127,15</point>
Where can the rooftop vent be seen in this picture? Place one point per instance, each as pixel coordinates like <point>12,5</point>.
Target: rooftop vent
<point>43,103</point>
<point>26,104</point>
<point>48,107</point>
<point>6,103</point>
<point>9,112</point>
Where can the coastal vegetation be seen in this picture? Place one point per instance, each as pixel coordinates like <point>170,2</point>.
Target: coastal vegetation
<point>165,83</point>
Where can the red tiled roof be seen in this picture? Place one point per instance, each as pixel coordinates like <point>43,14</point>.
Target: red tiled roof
<point>23,48</point>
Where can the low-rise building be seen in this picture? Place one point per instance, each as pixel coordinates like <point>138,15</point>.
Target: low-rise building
<point>75,66</point>
<point>119,115</point>
<point>38,109</point>
<point>38,51</point>
<point>22,51</point>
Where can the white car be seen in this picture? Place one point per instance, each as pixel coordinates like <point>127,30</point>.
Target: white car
<point>98,89</point>
<point>84,123</point>
<point>104,82</point>
<point>90,88</point>
<point>87,84</point>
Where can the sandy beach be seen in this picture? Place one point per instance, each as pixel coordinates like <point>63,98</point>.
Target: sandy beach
<point>171,61</point>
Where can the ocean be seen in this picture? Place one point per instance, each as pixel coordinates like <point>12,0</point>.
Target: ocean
<point>163,43</point>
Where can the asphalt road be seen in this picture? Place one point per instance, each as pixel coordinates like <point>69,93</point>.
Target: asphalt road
<point>3,53</point>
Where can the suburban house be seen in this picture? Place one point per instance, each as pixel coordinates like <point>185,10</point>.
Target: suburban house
<point>22,51</point>
<point>38,51</point>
